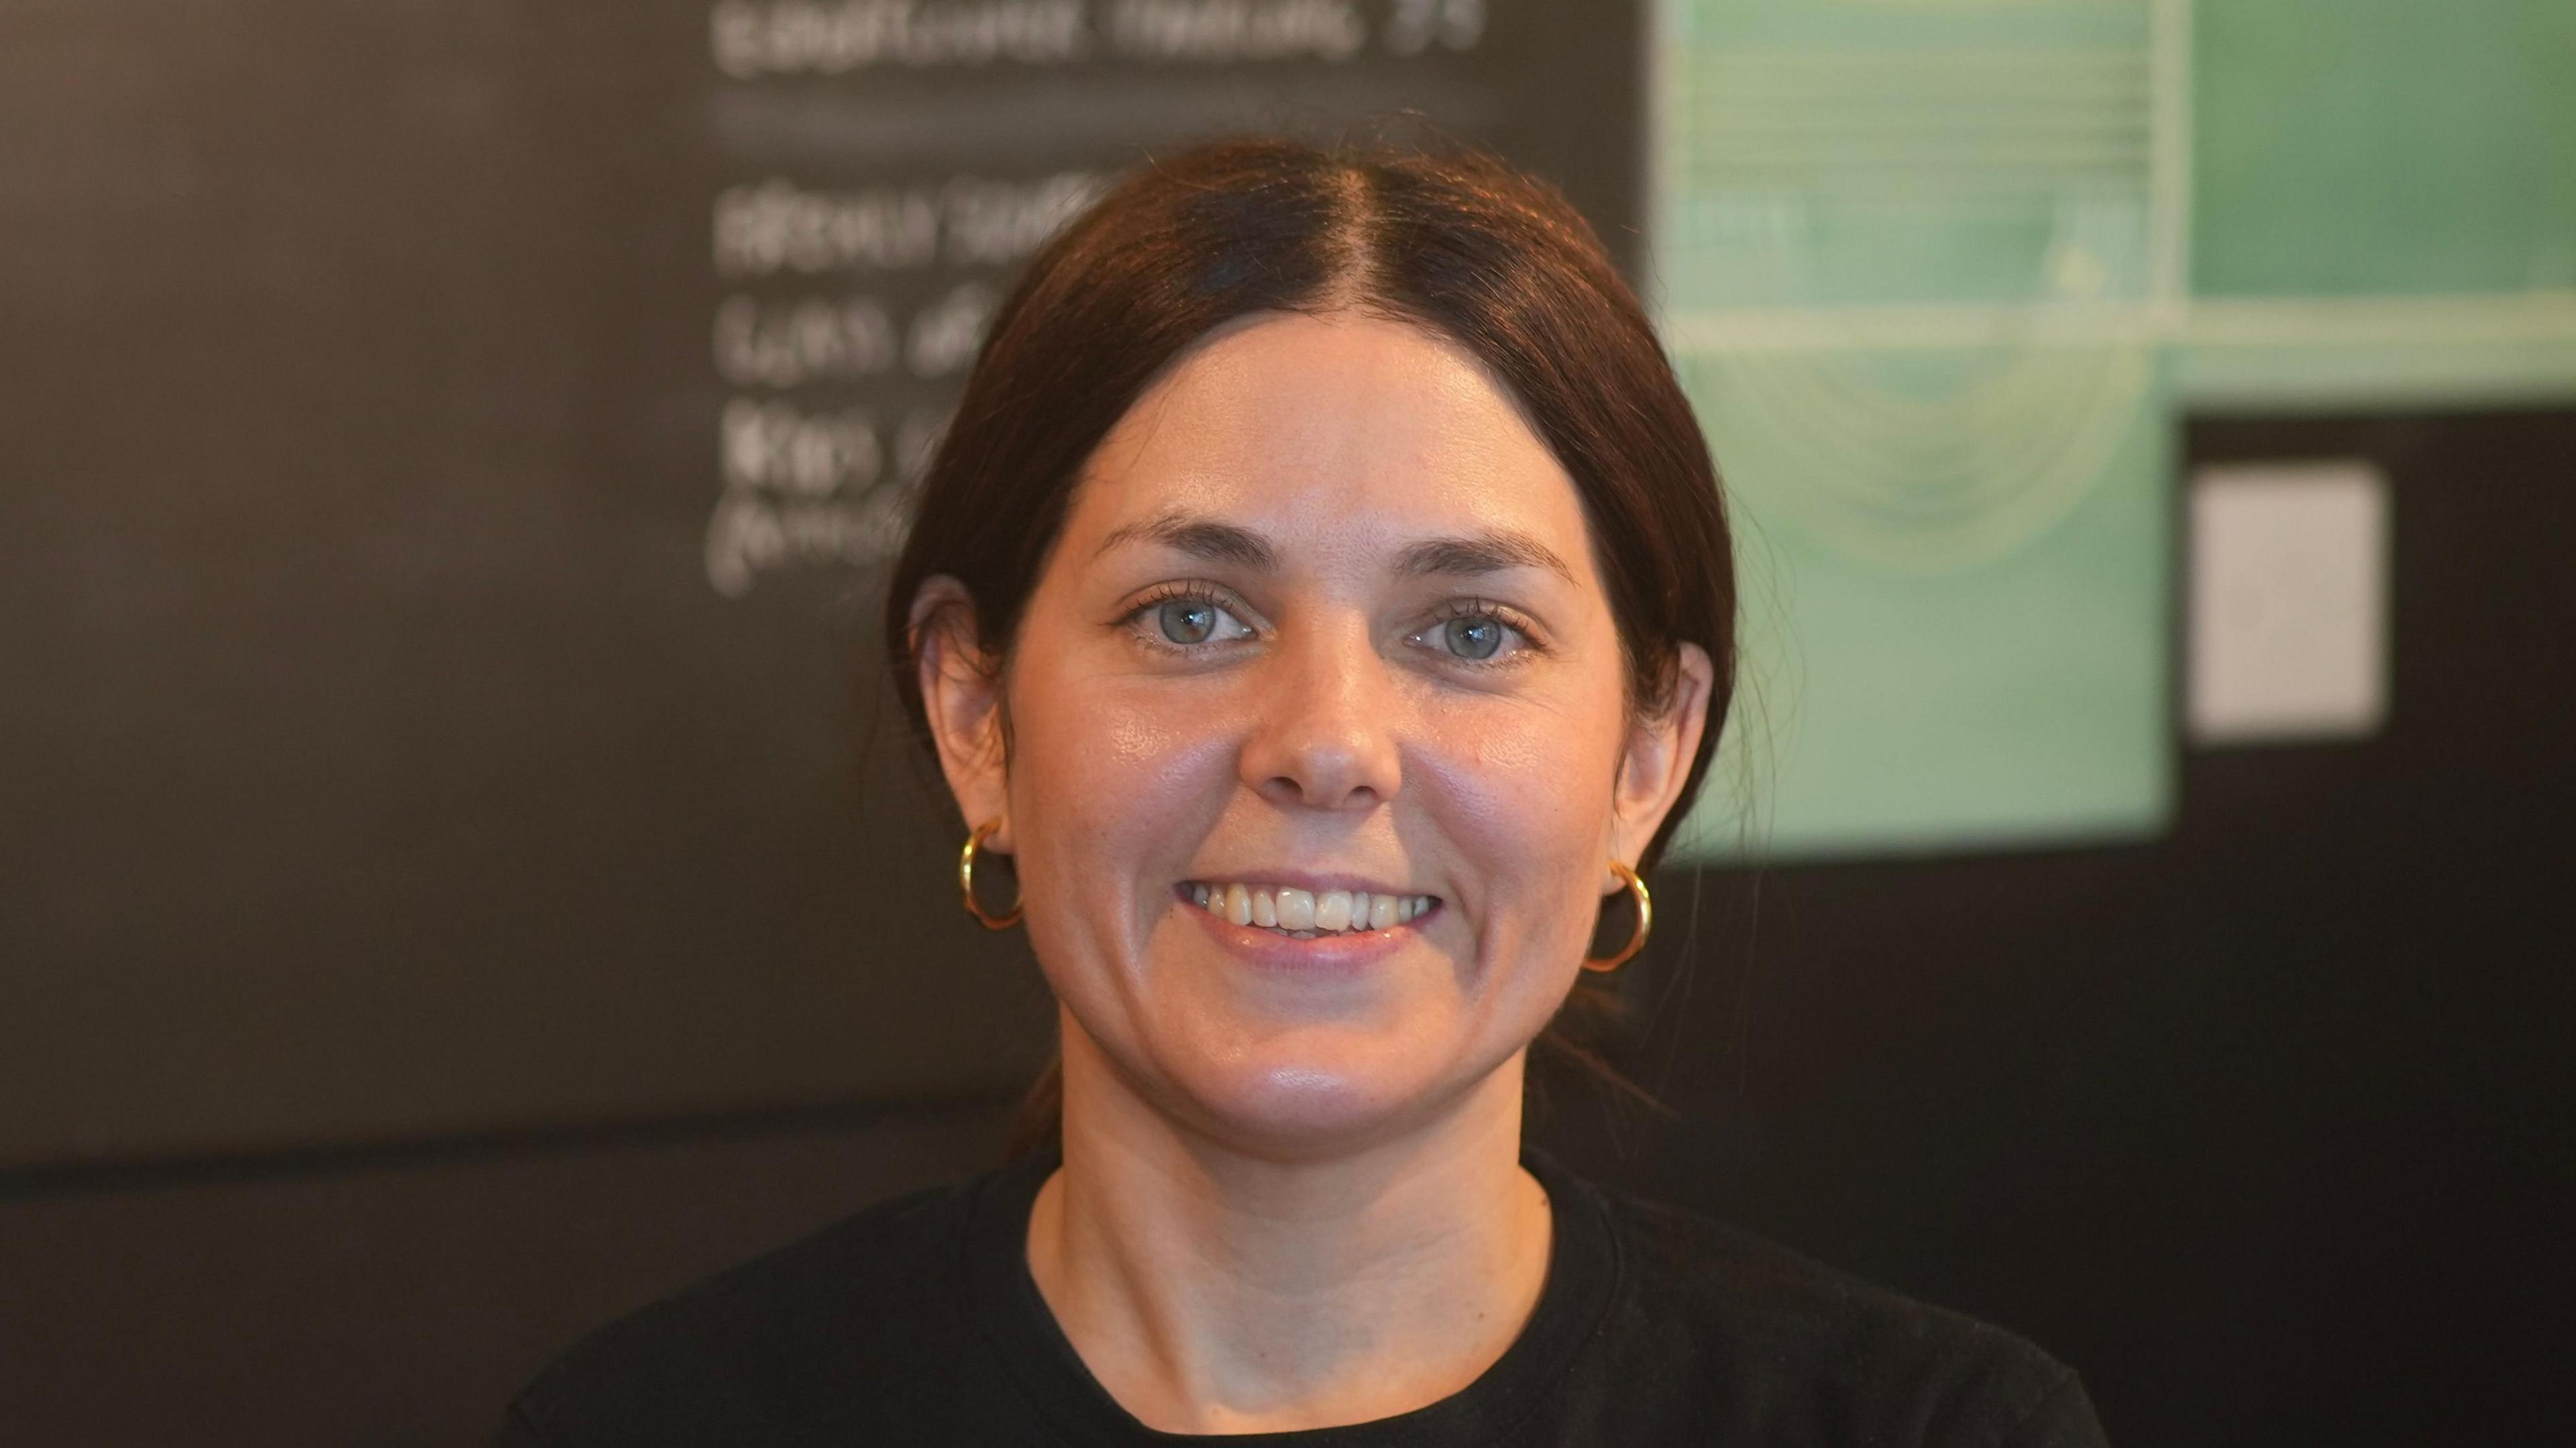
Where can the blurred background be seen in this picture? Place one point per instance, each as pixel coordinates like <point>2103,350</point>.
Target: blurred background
<point>461,877</point>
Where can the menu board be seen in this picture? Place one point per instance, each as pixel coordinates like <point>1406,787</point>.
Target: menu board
<point>452,453</point>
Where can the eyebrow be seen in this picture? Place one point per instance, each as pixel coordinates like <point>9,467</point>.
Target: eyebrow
<point>1491,551</point>
<point>1216,542</point>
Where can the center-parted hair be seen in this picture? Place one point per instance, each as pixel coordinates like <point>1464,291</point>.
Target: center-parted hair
<point>1457,243</point>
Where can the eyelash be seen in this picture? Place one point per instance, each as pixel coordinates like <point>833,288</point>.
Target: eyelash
<point>1215,596</point>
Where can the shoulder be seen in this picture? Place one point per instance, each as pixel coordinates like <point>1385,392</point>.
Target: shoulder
<point>798,1336</point>
<point>1804,1352</point>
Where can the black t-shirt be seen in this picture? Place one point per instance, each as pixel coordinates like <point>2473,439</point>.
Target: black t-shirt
<point>917,1321</point>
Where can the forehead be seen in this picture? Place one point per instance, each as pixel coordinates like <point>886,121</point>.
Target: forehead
<point>1343,433</point>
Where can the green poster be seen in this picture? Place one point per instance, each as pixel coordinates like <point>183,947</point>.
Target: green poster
<point>2383,205</point>
<point>1941,275</point>
<point>1915,259</point>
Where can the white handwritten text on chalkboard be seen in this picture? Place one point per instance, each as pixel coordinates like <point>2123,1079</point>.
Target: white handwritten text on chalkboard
<point>753,38</point>
<point>775,225</point>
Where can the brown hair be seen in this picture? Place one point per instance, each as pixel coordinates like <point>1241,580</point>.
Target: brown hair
<point>1456,242</point>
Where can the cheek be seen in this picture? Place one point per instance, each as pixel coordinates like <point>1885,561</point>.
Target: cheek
<point>1534,775</point>
<point>1523,792</point>
<point>1104,780</point>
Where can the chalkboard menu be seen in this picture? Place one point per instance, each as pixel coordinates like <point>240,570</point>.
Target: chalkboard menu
<point>450,453</point>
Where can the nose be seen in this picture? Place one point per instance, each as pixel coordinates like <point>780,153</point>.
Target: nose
<point>1323,736</point>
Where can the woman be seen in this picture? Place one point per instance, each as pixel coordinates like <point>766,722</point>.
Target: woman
<point>1323,600</point>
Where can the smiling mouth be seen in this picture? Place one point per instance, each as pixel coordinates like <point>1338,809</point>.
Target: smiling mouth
<point>1306,914</point>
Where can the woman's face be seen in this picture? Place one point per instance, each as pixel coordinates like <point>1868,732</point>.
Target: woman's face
<point>1322,645</point>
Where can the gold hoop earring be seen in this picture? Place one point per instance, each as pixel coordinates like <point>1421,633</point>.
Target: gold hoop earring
<point>1645,921</point>
<point>966,883</point>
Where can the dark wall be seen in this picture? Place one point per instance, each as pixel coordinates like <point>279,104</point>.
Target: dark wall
<point>400,1296</point>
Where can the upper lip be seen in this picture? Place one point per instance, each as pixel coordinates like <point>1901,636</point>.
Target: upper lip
<point>1316,881</point>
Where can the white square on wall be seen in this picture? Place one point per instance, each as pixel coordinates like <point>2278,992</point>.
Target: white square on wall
<point>2288,632</point>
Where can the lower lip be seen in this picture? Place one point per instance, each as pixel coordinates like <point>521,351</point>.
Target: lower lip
<point>1340,952</point>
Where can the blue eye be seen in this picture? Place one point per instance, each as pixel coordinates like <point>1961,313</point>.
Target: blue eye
<point>1186,620</point>
<point>1475,636</point>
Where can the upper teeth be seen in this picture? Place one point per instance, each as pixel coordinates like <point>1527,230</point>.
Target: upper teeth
<point>1284,907</point>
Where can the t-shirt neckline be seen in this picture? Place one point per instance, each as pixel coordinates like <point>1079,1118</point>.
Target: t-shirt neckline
<point>1574,1298</point>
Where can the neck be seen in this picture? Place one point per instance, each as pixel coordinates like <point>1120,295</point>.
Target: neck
<point>1213,1290</point>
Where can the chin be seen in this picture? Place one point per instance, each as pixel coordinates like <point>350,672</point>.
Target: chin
<point>1304,1098</point>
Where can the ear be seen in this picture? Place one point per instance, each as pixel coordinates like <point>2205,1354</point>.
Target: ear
<point>1657,760</point>
<point>961,693</point>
